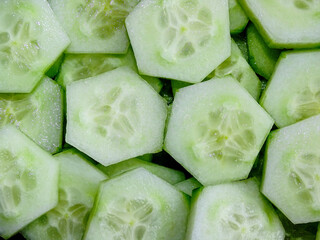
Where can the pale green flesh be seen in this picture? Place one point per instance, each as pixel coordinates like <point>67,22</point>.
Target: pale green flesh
<point>176,39</point>
<point>298,73</point>
<point>78,186</point>
<point>222,134</point>
<point>30,41</point>
<point>95,26</point>
<point>238,68</point>
<point>170,175</point>
<point>115,116</point>
<point>28,181</point>
<point>262,58</point>
<point>150,209</point>
<point>187,186</point>
<point>234,211</point>
<point>39,114</point>
<point>291,177</point>
<point>286,23</point>
<point>238,18</point>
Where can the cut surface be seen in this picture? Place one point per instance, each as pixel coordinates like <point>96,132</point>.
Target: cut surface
<point>181,40</point>
<point>94,26</point>
<point>28,181</point>
<point>78,186</point>
<point>187,186</point>
<point>291,178</point>
<point>115,116</point>
<point>238,18</point>
<point>30,41</point>
<point>286,23</point>
<point>216,130</point>
<point>298,73</point>
<point>234,211</point>
<point>150,209</point>
<point>39,114</point>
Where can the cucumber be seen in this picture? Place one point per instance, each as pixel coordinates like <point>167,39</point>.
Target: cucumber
<point>81,66</point>
<point>179,39</point>
<point>176,85</point>
<point>28,181</point>
<point>78,186</point>
<point>187,186</point>
<point>94,26</point>
<point>149,209</point>
<point>146,157</point>
<point>285,23</point>
<point>241,41</point>
<point>237,67</point>
<point>170,175</point>
<point>318,233</point>
<point>115,116</point>
<point>39,114</point>
<point>233,211</point>
<point>216,130</point>
<point>238,18</point>
<point>31,40</point>
<point>262,58</point>
<point>55,68</point>
<point>298,73</point>
<point>292,168</point>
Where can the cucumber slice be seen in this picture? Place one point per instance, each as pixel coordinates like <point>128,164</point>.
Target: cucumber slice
<point>155,83</point>
<point>30,41</point>
<point>176,85</point>
<point>39,114</point>
<point>81,66</point>
<point>262,58</point>
<point>187,186</point>
<point>238,18</point>
<point>292,169</point>
<point>298,73</point>
<point>318,233</point>
<point>241,41</point>
<point>146,157</point>
<point>170,175</point>
<point>94,26</point>
<point>285,23</point>
<point>54,69</point>
<point>28,181</point>
<point>237,67</point>
<point>115,116</point>
<point>216,130</point>
<point>78,186</point>
<point>149,209</point>
<point>234,211</point>
<point>179,39</point>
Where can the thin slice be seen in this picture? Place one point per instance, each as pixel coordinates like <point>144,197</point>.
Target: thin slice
<point>286,23</point>
<point>241,41</point>
<point>297,72</point>
<point>238,18</point>
<point>170,175</point>
<point>237,67</point>
<point>234,211</point>
<point>216,130</point>
<point>94,26</point>
<point>187,186</point>
<point>28,181</point>
<point>150,209</point>
<point>39,114</point>
<point>115,116</point>
<point>78,185</point>
<point>31,40</point>
<point>179,39</point>
<point>262,58</point>
<point>291,178</point>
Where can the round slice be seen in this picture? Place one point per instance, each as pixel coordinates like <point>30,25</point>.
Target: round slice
<point>115,116</point>
<point>149,209</point>
<point>28,181</point>
<point>179,39</point>
<point>286,23</point>
<point>297,72</point>
<point>94,26</point>
<point>216,130</point>
<point>38,114</point>
<point>234,211</point>
<point>291,177</point>
<point>31,40</point>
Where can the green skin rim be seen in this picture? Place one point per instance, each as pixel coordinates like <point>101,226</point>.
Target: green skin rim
<point>267,36</point>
